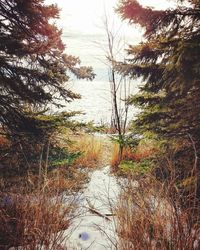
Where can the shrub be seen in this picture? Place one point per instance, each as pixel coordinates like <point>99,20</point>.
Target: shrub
<point>33,221</point>
<point>148,217</point>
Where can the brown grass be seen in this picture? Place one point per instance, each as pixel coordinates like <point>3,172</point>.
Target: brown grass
<point>143,150</point>
<point>35,220</point>
<point>148,218</point>
<point>128,154</point>
<point>70,180</point>
<point>91,149</point>
<point>115,157</point>
<point>59,180</point>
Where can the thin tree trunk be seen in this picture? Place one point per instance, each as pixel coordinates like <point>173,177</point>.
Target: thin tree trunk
<point>47,160</point>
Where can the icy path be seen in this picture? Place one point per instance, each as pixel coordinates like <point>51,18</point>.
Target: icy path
<point>90,230</point>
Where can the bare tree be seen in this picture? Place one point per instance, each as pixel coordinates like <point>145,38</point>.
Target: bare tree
<point>119,85</point>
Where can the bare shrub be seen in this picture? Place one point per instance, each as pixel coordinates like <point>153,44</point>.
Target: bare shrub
<point>147,217</point>
<point>36,221</point>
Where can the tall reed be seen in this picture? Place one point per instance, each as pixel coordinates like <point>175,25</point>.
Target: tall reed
<point>34,221</point>
<point>149,217</point>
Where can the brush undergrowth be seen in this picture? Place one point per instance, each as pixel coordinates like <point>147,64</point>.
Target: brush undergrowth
<point>34,210</point>
<point>138,160</point>
<point>151,215</point>
<point>34,221</point>
<point>90,148</point>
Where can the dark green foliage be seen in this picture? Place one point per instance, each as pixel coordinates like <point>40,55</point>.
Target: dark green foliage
<point>61,157</point>
<point>126,140</point>
<point>168,62</point>
<point>33,66</point>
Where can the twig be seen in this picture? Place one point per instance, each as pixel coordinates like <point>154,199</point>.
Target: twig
<point>93,210</point>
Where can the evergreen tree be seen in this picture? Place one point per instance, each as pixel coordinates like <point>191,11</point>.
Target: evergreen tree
<point>34,69</point>
<point>168,62</point>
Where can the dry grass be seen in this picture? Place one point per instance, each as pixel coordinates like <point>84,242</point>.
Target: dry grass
<point>35,221</point>
<point>143,150</point>
<point>115,157</point>
<point>39,218</point>
<point>148,218</point>
<point>91,148</point>
<point>70,180</point>
<point>128,154</point>
<point>59,180</point>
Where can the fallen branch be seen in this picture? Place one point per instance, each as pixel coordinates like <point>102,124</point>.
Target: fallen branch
<point>94,211</point>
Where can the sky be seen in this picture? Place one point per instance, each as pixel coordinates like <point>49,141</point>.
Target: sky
<point>86,15</point>
<point>83,31</point>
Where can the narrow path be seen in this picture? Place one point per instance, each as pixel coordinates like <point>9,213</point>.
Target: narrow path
<point>95,228</point>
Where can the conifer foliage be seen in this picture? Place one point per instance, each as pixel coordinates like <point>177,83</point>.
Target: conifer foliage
<point>34,68</point>
<point>168,62</point>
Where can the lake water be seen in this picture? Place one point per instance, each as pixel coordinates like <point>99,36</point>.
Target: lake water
<point>96,96</point>
<point>96,101</point>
